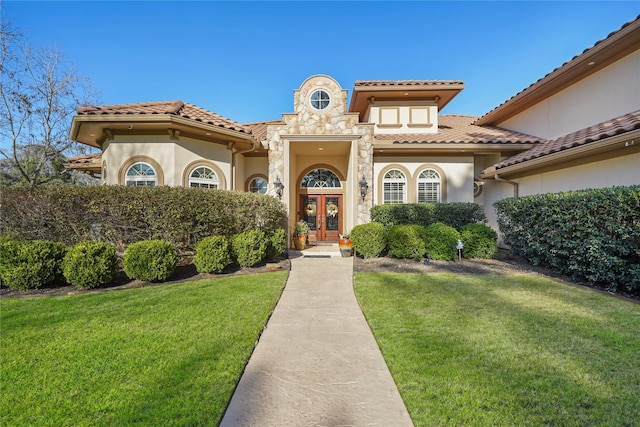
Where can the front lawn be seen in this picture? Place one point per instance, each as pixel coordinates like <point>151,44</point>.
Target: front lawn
<point>161,355</point>
<point>508,350</point>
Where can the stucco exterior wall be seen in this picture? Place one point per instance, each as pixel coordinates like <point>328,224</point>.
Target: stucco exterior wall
<point>611,92</point>
<point>395,117</point>
<point>172,156</point>
<point>607,173</point>
<point>253,166</point>
<point>458,174</point>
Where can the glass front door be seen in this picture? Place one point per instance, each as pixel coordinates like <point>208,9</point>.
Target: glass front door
<point>323,213</point>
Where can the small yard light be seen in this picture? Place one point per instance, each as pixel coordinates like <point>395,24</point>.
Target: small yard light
<point>278,187</point>
<point>460,246</point>
<point>364,186</point>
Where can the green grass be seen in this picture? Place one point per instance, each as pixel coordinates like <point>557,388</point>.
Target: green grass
<point>470,350</point>
<point>164,355</point>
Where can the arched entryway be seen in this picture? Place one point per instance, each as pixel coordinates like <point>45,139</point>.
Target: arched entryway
<point>321,204</point>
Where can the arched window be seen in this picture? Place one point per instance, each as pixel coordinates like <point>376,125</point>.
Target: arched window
<point>321,178</point>
<point>141,175</point>
<point>203,177</point>
<point>429,186</point>
<point>394,187</point>
<point>258,185</point>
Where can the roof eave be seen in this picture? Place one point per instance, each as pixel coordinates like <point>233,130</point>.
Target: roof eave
<point>617,142</point>
<point>126,121</point>
<point>359,99</point>
<point>602,54</point>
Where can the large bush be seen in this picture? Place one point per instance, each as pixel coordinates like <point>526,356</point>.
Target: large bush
<point>150,260</point>
<point>90,264</point>
<point>30,264</point>
<point>440,241</point>
<point>277,243</point>
<point>480,241</point>
<point>369,240</point>
<point>407,241</point>
<point>592,235</point>
<point>213,254</point>
<point>124,215</point>
<point>454,214</point>
<point>249,247</point>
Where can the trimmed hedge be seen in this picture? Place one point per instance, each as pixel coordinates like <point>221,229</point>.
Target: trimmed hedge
<point>369,240</point>
<point>591,235</point>
<point>150,260</point>
<point>407,241</point>
<point>213,254</point>
<point>440,240</point>
<point>249,247</point>
<point>30,264</point>
<point>90,264</point>
<point>124,215</point>
<point>453,214</point>
<point>480,241</point>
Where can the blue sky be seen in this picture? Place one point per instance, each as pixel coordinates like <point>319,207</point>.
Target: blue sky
<point>244,59</point>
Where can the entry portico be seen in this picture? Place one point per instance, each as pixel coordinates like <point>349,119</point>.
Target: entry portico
<point>320,152</point>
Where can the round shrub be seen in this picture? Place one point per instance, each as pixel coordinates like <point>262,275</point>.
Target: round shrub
<point>249,247</point>
<point>30,264</point>
<point>150,260</point>
<point>441,240</point>
<point>277,243</point>
<point>407,241</point>
<point>212,254</point>
<point>90,264</point>
<point>480,241</point>
<point>369,240</point>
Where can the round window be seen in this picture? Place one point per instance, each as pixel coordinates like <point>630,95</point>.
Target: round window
<point>320,99</point>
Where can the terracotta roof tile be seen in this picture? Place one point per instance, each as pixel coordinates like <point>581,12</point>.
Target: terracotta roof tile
<point>362,83</point>
<point>454,128</point>
<point>176,108</point>
<point>259,129</point>
<point>85,160</point>
<point>616,126</point>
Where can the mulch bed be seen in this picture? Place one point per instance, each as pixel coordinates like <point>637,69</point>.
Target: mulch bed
<point>503,263</point>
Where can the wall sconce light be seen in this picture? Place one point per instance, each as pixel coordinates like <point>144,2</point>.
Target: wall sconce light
<point>278,187</point>
<point>364,186</point>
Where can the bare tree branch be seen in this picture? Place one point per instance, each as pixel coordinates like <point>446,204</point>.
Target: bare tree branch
<point>39,92</point>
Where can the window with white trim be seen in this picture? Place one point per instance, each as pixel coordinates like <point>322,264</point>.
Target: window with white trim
<point>320,178</point>
<point>394,187</point>
<point>258,185</point>
<point>203,177</point>
<point>320,99</point>
<point>429,184</point>
<point>141,175</point>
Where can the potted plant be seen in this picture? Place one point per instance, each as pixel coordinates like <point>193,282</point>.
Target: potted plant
<point>345,245</point>
<point>300,232</point>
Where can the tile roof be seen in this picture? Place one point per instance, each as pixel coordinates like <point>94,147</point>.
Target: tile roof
<point>362,83</point>
<point>85,160</point>
<point>175,108</point>
<point>259,129</point>
<point>453,128</point>
<point>619,125</point>
<point>538,82</point>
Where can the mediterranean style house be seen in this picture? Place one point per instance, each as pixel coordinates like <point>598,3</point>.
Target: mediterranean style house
<point>332,158</point>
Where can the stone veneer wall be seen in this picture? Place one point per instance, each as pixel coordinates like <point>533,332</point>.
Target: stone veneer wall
<point>334,120</point>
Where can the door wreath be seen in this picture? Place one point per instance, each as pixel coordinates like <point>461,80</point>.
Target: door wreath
<point>332,210</point>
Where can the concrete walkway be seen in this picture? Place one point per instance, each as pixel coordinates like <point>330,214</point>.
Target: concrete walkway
<point>317,363</point>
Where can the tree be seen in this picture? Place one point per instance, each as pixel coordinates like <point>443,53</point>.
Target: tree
<point>39,94</point>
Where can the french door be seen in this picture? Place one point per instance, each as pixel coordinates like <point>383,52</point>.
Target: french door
<point>323,213</point>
